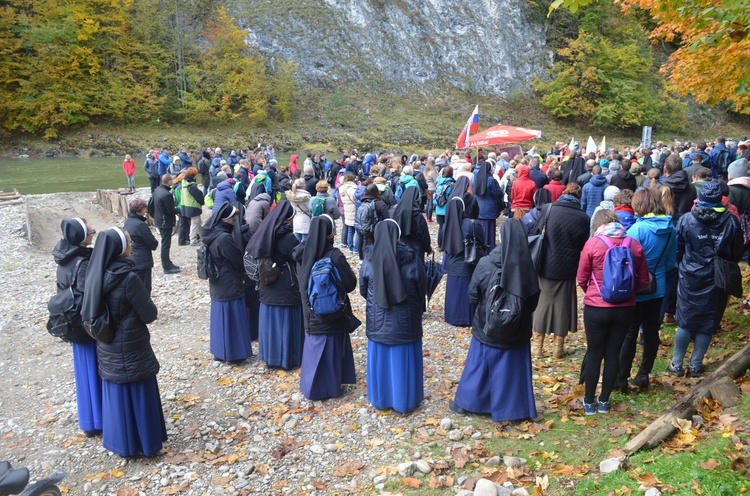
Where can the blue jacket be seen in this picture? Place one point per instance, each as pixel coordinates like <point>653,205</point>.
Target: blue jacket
<point>185,160</point>
<point>593,194</point>
<point>491,202</point>
<point>627,219</point>
<point>407,181</point>
<point>707,162</point>
<point>442,180</point>
<point>224,193</point>
<point>233,160</point>
<point>539,177</point>
<point>402,323</point>
<point>656,235</point>
<point>164,162</point>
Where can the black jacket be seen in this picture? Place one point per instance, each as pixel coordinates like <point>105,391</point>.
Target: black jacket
<point>164,208</point>
<point>479,288</point>
<point>228,258</point>
<point>683,193</point>
<point>572,169</point>
<point>339,323</point>
<point>567,232</point>
<point>143,239</point>
<point>454,265</point>
<point>739,196</point>
<point>402,323</point>
<point>623,179</point>
<point>419,239</point>
<point>310,182</point>
<point>284,291</point>
<point>67,256</point>
<point>129,357</point>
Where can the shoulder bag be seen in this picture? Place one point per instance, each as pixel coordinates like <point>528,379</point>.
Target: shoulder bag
<point>536,243</point>
<point>473,248</point>
<point>651,288</point>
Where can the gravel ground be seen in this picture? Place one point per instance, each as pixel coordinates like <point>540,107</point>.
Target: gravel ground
<point>232,429</point>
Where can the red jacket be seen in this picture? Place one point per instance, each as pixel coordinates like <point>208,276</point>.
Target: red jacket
<point>555,189</point>
<point>129,167</point>
<point>522,192</point>
<point>592,260</point>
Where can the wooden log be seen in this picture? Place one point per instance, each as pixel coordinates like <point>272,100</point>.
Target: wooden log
<point>725,391</point>
<point>661,428</point>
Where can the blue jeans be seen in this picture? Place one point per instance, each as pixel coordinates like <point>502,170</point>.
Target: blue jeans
<point>682,339</point>
<point>350,234</point>
<point>300,237</point>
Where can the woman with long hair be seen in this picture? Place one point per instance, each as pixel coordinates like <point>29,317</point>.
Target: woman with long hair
<point>132,416</point>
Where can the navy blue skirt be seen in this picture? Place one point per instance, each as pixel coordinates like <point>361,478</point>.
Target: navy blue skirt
<point>230,333</point>
<point>282,335</point>
<point>458,310</point>
<point>327,363</point>
<point>253,308</point>
<point>133,419</point>
<point>394,376</point>
<point>497,381</point>
<point>88,387</point>
<point>489,228</point>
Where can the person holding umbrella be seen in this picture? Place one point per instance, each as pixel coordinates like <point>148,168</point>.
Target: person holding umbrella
<point>395,303</point>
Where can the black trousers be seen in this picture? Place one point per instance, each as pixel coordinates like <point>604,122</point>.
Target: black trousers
<point>166,244</point>
<point>154,182</point>
<point>646,315</point>
<point>441,224</point>
<point>605,331</point>
<point>183,234</point>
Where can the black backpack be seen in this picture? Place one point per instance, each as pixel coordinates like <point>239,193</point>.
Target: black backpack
<point>504,312</point>
<point>367,217</point>
<point>207,268</point>
<point>64,313</point>
<point>722,162</point>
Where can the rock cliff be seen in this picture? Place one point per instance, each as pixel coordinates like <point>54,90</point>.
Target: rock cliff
<point>484,46</point>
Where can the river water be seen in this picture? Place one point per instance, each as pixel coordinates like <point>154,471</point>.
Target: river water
<point>58,175</point>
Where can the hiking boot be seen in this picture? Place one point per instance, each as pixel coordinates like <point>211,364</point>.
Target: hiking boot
<point>622,386</point>
<point>678,371</point>
<point>559,351</point>
<point>669,319</point>
<point>640,382</point>
<point>537,347</point>
<point>603,406</point>
<point>590,408</point>
<point>696,371</point>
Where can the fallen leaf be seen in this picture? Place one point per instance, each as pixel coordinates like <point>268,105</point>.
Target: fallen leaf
<point>648,479</point>
<point>221,481</point>
<point>411,482</point>
<point>349,468</point>
<point>709,464</point>
<point>683,425</point>
<point>127,491</point>
<point>319,485</point>
<point>375,442</point>
<point>116,473</point>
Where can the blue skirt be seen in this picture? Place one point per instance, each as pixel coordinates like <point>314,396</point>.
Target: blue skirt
<point>88,387</point>
<point>253,308</point>
<point>282,335</point>
<point>327,362</point>
<point>230,332</point>
<point>133,418</point>
<point>394,376</point>
<point>489,228</point>
<point>458,310</point>
<point>497,381</point>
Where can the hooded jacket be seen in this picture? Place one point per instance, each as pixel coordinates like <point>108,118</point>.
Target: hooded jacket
<point>257,210</point>
<point>555,189</point>
<point>522,192</point>
<point>623,179</point>
<point>683,193</point>
<point>224,193</point>
<point>347,193</point>
<point>129,357</point>
<point>739,194</point>
<point>302,213</point>
<point>658,237</point>
<point>402,322</point>
<point>700,304</point>
<point>592,194</point>
<point>408,181</point>
<point>66,257</point>
<point>626,215</point>
<point>440,181</point>
<point>143,240</point>
<point>228,258</point>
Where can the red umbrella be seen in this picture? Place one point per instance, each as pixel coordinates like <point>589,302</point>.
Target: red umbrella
<point>500,135</point>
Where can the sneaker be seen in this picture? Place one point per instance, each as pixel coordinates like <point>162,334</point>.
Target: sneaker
<point>696,371</point>
<point>589,408</point>
<point>603,406</point>
<point>676,371</point>
<point>344,247</point>
<point>746,304</point>
<point>669,319</point>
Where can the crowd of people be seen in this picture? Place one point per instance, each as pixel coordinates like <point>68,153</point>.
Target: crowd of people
<point>647,238</point>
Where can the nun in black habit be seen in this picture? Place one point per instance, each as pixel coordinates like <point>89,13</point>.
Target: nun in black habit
<point>458,227</point>
<point>132,416</point>
<point>72,254</point>
<point>414,231</point>
<point>280,323</point>
<point>327,358</point>
<point>497,375</point>
<point>229,325</point>
<point>393,281</point>
<point>462,189</point>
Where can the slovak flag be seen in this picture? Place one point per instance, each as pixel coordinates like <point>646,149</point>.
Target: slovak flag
<point>471,127</point>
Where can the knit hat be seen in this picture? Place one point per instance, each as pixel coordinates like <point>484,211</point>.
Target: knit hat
<point>738,168</point>
<point>221,176</point>
<point>604,163</point>
<point>710,193</point>
<point>610,192</point>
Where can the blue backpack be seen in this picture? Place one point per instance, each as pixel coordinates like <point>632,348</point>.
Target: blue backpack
<point>618,273</point>
<point>325,292</point>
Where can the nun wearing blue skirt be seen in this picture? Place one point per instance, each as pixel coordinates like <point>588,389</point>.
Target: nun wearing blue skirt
<point>392,280</point>
<point>72,254</point>
<point>132,416</point>
<point>229,324</point>
<point>497,376</point>
<point>327,358</point>
<point>281,331</point>
<point>458,227</point>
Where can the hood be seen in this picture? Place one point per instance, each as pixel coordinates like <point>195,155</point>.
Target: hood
<point>624,174</point>
<point>408,180</point>
<point>598,180</point>
<point>443,180</point>
<point>116,272</point>
<point>224,185</point>
<point>308,176</point>
<point>709,215</point>
<point>678,182</point>
<point>657,224</point>
<point>210,236</point>
<point>523,172</point>
<point>607,205</point>
<point>740,181</point>
<point>403,253</point>
<point>301,196</point>
<point>64,251</point>
<point>265,197</point>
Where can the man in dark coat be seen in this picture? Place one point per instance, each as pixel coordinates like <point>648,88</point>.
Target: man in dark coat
<point>539,177</point>
<point>573,167</point>
<point>683,193</point>
<point>164,220</point>
<point>623,179</point>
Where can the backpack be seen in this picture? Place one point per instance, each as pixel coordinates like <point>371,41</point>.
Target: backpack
<point>442,193</point>
<point>618,272</point>
<point>504,312</point>
<point>325,292</point>
<point>177,194</point>
<point>207,268</point>
<point>317,206</point>
<point>261,270</point>
<point>722,162</point>
<point>64,313</point>
<point>368,217</point>
<point>203,166</point>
